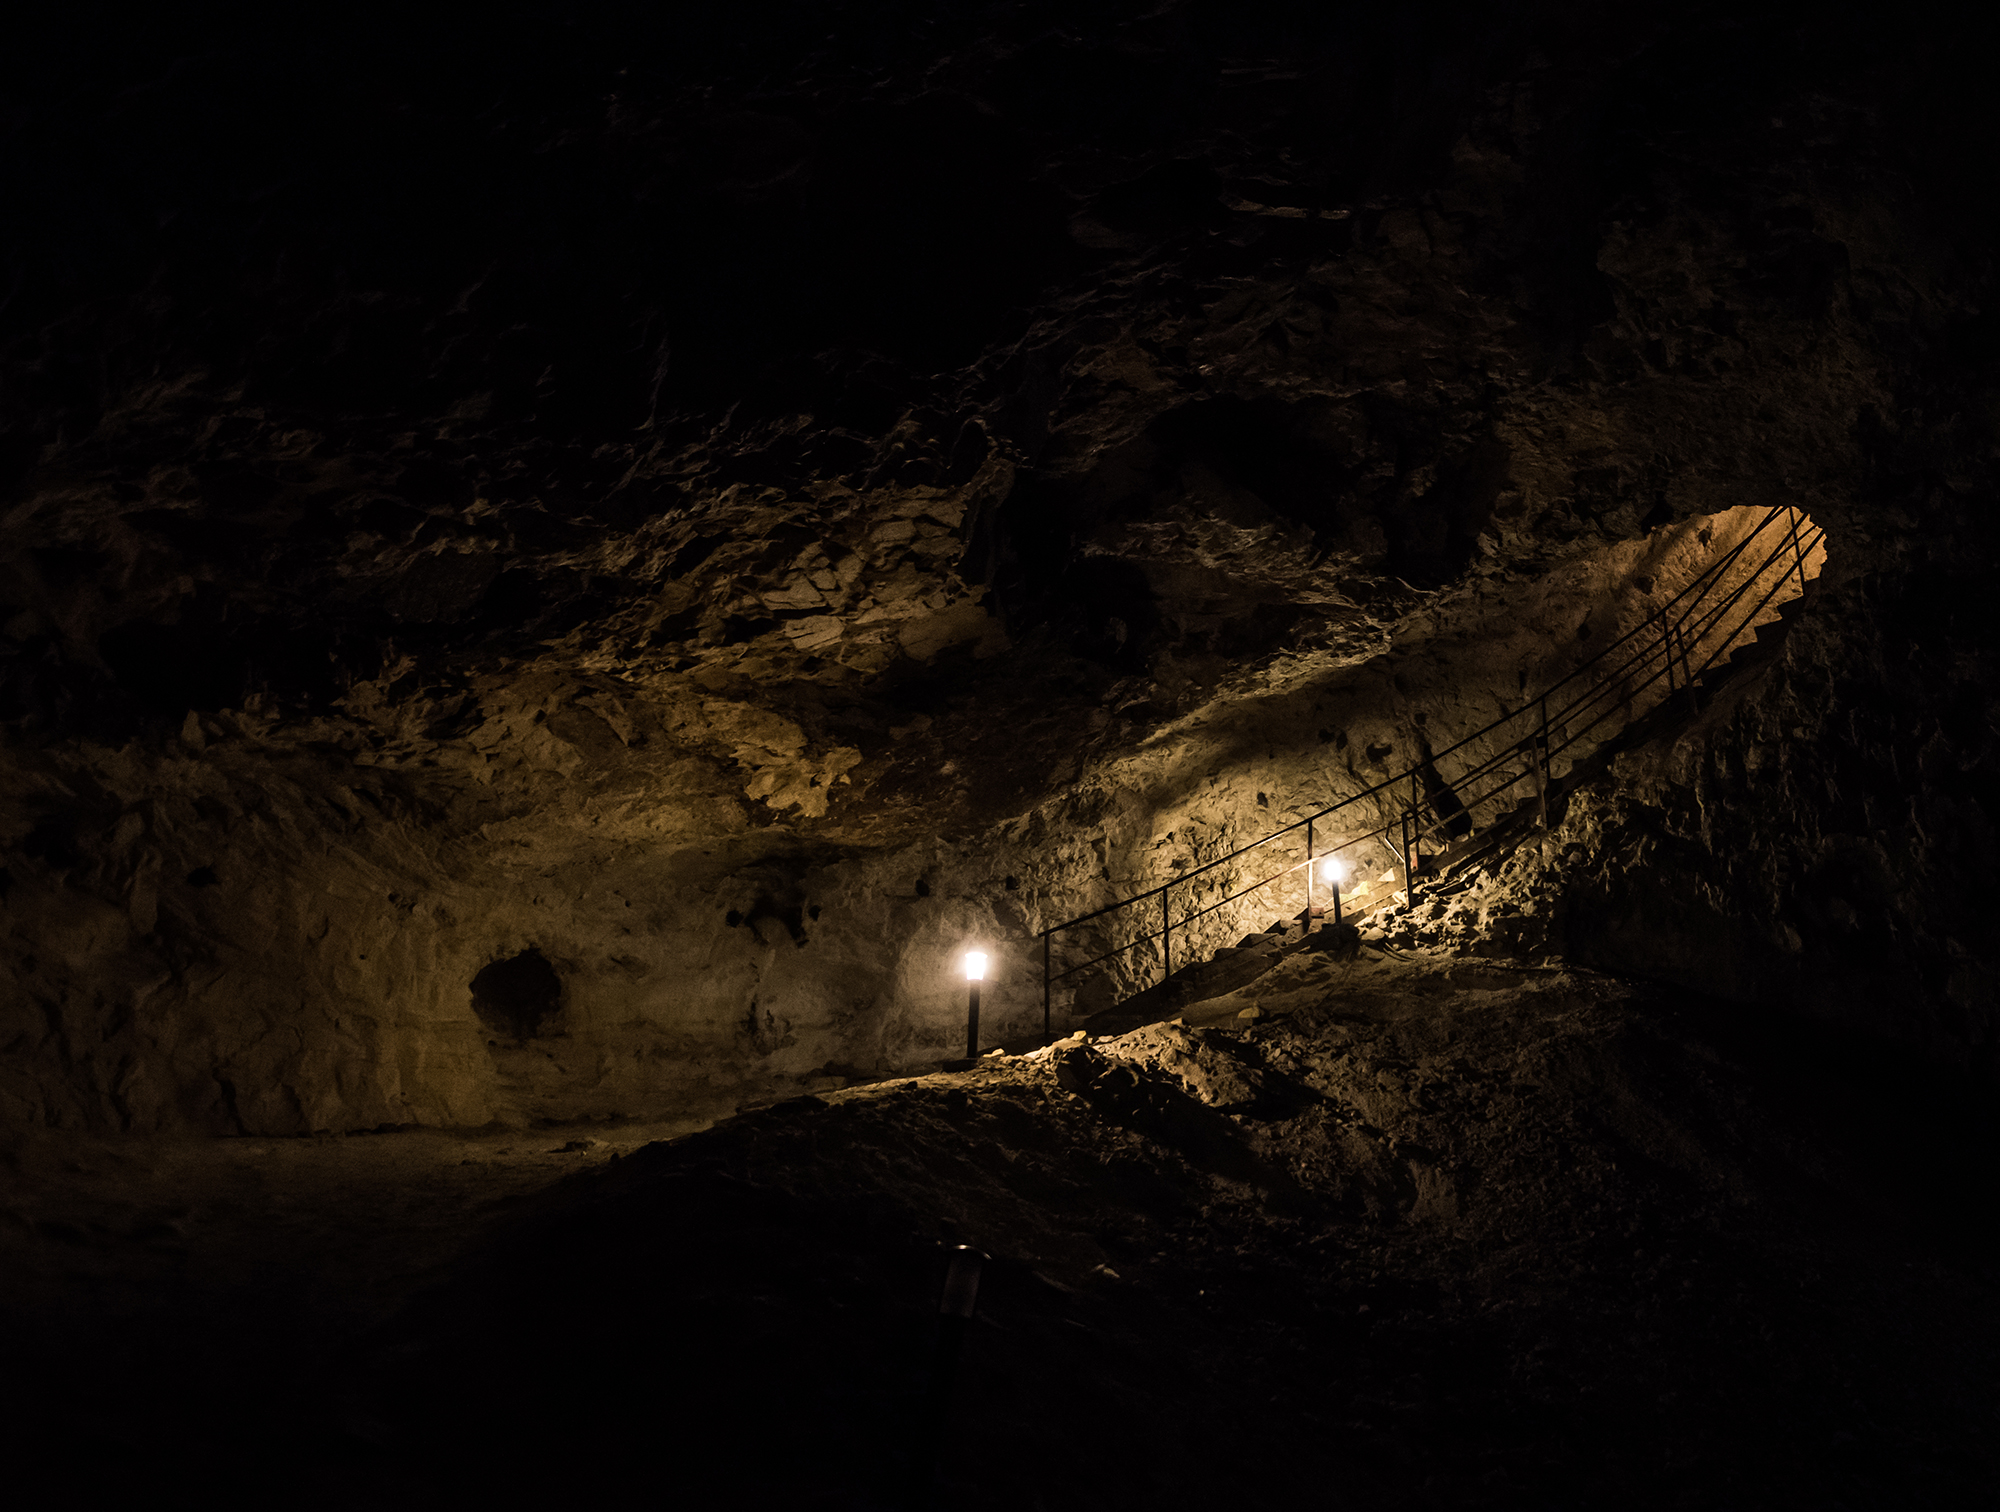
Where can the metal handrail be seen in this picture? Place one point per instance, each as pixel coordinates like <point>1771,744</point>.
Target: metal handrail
<point>1574,734</point>
<point>1673,637</point>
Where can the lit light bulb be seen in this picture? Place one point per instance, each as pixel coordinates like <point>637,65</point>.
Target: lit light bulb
<point>975,965</point>
<point>1334,871</point>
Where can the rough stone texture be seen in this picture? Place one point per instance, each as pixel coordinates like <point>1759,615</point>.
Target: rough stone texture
<point>556,570</point>
<point>1826,831</point>
<point>1431,1234</point>
<point>422,546</point>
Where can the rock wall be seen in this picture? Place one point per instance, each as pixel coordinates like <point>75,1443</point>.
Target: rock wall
<point>394,582</point>
<point>1818,841</point>
<point>261,927</point>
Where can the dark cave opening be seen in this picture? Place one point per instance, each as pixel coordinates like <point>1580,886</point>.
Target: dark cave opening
<point>518,995</point>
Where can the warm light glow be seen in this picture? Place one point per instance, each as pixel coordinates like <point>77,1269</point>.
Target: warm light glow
<point>1335,871</point>
<point>975,965</point>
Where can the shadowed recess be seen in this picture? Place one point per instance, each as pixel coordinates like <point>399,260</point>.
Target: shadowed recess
<point>518,995</point>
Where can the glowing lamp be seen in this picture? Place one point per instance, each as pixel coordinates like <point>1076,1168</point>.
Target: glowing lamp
<point>1335,872</point>
<point>975,972</point>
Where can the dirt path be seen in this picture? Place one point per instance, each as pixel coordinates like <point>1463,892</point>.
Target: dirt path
<point>1425,1234</point>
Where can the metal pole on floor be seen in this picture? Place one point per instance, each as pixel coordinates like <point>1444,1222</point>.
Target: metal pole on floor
<point>1542,766</point>
<point>1687,674</point>
<point>1411,851</point>
<point>1166,938</point>
<point>1309,874</point>
<point>1046,1040</point>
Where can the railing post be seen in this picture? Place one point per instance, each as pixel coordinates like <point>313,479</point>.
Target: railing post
<point>1046,1040</point>
<point>1798,553</point>
<point>1541,749</point>
<point>1309,874</point>
<point>1166,938</point>
<point>1676,648</point>
<point>1416,830</point>
<point>1409,872</point>
<point>1687,675</point>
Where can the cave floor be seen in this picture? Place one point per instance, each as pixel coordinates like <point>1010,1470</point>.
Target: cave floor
<point>1425,1233</point>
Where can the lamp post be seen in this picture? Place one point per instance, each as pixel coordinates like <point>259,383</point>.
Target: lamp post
<point>975,972</point>
<point>1335,873</point>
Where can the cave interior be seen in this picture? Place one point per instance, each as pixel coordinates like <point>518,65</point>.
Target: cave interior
<point>1416,580</point>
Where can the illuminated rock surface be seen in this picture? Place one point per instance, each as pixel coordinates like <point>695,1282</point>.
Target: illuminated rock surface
<point>552,577</point>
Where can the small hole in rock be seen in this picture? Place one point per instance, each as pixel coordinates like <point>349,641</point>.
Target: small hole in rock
<point>923,888</point>
<point>732,918</point>
<point>517,995</point>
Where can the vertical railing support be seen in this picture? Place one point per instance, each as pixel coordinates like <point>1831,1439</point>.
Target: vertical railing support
<point>1798,553</point>
<point>1166,938</point>
<point>1541,749</point>
<point>1687,673</point>
<point>1309,874</point>
<point>1415,851</point>
<point>1046,1040</point>
<point>1409,872</point>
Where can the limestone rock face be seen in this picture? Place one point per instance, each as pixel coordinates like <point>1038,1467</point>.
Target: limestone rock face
<point>747,522</point>
<point>1815,841</point>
